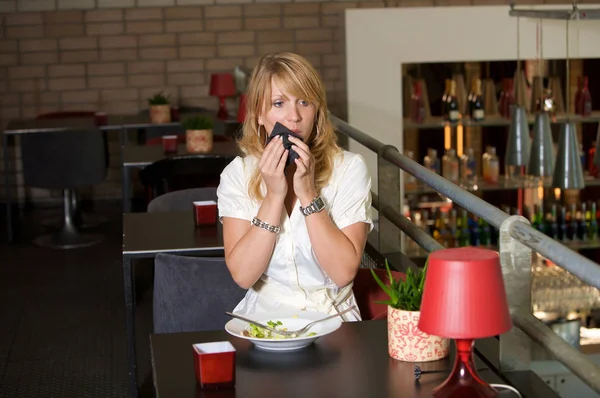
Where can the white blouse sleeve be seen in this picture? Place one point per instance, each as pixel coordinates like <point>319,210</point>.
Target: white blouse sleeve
<point>352,202</point>
<point>232,193</point>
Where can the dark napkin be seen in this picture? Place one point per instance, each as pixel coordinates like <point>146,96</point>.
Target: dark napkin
<point>284,132</point>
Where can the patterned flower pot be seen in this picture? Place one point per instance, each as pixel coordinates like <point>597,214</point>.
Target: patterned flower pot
<point>160,114</point>
<point>407,343</point>
<point>199,141</point>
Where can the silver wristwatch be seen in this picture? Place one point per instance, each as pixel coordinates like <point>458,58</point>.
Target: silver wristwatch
<point>314,207</point>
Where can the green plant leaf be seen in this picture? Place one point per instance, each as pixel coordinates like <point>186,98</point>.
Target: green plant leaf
<point>198,123</point>
<point>404,294</point>
<point>159,99</point>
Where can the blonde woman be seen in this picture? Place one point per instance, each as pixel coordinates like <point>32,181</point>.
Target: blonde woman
<point>293,237</point>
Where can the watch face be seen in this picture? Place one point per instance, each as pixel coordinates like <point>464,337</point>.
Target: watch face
<point>319,203</point>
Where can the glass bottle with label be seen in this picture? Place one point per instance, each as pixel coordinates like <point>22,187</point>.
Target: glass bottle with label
<point>485,162</point>
<point>493,167</point>
<point>476,104</point>
<point>468,169</point>
<point>431,161</point>
<point>450,166</point>
<point>453,114</point>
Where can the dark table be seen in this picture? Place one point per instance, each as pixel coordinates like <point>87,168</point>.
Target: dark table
<point>351,362</point>
<point>145,235</point>
<point>140,156</point>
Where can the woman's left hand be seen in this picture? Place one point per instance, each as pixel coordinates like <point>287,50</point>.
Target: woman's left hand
<point>304,177</point>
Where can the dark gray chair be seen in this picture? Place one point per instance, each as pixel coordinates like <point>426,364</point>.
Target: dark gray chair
<point>64,160</point>
<point>192,293</point>
<point>181,200</point>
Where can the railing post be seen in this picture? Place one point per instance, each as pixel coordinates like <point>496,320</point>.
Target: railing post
<point>515,346</point>
<point>388,183</point>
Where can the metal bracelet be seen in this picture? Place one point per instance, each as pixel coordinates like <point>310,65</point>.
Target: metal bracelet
<point>268,227</point>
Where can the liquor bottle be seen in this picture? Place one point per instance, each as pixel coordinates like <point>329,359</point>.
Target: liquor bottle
<point>453,113</point>
<point>583,229</point>
<point>468,168</point>
<point>573,224</point>
<point>584,103</point>
<point>540,218</point>
<point>486,233</point>
<point>475,232</point>
<point>453,228</point>
<point>564,229</point>
<point>438,227</point>
<point>476,104</point>
<point>533,218</point>
<point>450,166</point>
<point>417,105</point>
<point>493,169</point>
<point>465,234</point>
<point>470,96</point>
<point>445,98</point>
<point>592,168</point>
<point>431,161</point>
<point>485,162</point>
<point>593,223</point>
<point>553,229</point>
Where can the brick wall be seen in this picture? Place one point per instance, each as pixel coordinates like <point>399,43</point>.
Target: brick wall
<point>110,55</point>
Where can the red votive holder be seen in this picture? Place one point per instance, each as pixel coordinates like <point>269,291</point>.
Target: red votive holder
<point>174,113</point>
<point>214,365</point>
<point>205,212</point>
<point>100,119</point>
<point>169,143</point>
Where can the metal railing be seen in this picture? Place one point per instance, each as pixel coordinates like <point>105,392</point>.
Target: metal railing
<point>517,240</point>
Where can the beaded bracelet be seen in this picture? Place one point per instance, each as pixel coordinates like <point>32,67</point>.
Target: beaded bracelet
<point>268,227</point>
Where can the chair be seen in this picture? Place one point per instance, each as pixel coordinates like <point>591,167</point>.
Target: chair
<point>80,218</point>
<point>367,292</point>
<point>181,200</point>
<point>178,173</point>
<point>192,294</point>
<point>64,160</point>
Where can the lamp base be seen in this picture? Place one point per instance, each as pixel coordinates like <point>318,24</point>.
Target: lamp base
<point>464,382</point>
<point>222,114</point>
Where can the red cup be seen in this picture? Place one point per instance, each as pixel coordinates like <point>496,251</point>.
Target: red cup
<point>214,365</point>
<point>174,113</point>
<point>205,212</point>
<point>100,119</point>
<point>169,143</point>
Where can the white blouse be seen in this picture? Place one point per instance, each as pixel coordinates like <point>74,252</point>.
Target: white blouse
<point>294,279</point>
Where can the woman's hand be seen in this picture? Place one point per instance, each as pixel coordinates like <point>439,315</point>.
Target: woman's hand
<point>272,165</point>
<point>304,177</point>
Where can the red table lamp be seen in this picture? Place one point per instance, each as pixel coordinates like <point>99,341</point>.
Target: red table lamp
<point>464,299</point>
<point>222,86</point>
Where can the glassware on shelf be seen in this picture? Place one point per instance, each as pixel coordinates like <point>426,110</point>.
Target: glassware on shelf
<point>468,169</point>
<point>431,161</point>
<point>583,102</point>
<point>493,167</point>
<point>410,181</point>
<point>450,166</point>
<point>417,105</point>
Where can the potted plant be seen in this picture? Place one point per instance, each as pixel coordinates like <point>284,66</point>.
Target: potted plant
<point>198,134</point>
<point>405,341</point>
<point>160,108</point>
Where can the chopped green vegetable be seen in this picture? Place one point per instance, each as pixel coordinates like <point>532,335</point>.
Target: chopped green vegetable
<point>260,333</point>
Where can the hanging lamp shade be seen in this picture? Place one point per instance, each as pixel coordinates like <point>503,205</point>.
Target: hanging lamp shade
<point>568,173</point>
<point>518,147</point>
<point>541,158</point>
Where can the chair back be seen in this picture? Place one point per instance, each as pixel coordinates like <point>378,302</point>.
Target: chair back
<point>367,292</point>
<point>181,200</point>
<point>192,294</point>
<point>182,172</point>
<point>63,160</point>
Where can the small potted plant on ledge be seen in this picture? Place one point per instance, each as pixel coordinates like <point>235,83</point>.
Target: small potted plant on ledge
<point>198,134</point>
<point>160,108</point>
<point>405,341</point>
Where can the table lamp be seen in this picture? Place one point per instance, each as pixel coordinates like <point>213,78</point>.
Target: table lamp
<point>222,86</point>
<point>464,299</point>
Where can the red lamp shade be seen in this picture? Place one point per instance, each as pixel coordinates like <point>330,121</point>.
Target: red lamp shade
<point>221,85</point>
<point>464,299</point>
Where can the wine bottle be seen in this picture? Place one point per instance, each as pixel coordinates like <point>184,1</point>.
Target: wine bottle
<point>476,104</point>
<point>432,161</point>
<point>450,166</point>
<point>468,168</point>
<point>453,110</point>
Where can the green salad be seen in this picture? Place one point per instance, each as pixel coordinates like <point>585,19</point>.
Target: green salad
<point>261,333</point>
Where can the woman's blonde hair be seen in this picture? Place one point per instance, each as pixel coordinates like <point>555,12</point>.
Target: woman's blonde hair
<point>296,76</point>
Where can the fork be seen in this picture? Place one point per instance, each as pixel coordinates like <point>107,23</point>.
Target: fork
<point>290,333</point>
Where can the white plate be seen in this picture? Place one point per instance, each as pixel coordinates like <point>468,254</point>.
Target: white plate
<point>292,321</point>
